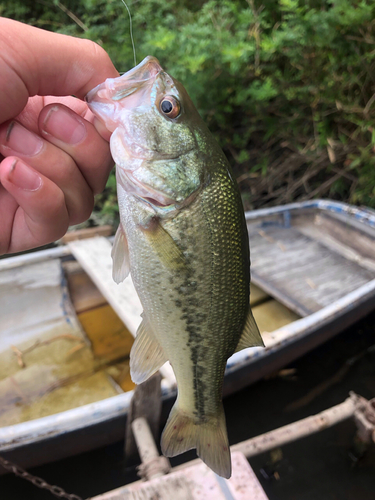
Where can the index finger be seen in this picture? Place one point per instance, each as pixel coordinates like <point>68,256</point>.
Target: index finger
<point>38,62</point>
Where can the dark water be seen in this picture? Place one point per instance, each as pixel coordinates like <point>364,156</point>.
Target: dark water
<point>325,466</point>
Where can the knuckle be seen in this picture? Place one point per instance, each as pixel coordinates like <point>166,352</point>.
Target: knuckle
<point>101,181</point>
<point>97,172</point>
<point>97,52</point>
<point>83,211</point>
<point>6,228</point>
<point>58,216</point>
<point>4,246</point>
<point>59,232</point>
<point>87,209</point>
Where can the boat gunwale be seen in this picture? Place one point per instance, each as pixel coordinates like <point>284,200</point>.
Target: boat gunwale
<point>364,216</point>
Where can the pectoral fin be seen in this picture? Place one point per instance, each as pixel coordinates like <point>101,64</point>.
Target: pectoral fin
<point>165,246</point>
<point>120,256</point>
<point>146,355</point>
<point>250,335</point>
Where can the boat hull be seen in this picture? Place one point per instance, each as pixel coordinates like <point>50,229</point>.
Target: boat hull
<point>97,424</point>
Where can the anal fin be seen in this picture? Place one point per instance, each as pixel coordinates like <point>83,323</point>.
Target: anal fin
<point>250,335</point>
<point>146,355</point>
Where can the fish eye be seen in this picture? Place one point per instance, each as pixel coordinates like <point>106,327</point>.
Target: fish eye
<point>170,107</point>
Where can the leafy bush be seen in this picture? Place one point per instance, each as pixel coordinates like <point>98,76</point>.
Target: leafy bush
<point>287,86</point>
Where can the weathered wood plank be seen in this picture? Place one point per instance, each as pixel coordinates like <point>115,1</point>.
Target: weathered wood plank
<point>94,255</point>
<point>300,271</point>
<point>359,237</point>
<point>83,292</point>
<point>88,232</point>
<point>195,483</point>
<point>349,242</point>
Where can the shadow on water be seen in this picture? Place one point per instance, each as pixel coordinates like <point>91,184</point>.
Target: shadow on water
<point>325,466</point>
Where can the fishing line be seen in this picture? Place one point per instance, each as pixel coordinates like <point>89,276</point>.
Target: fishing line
<point>131,31</point>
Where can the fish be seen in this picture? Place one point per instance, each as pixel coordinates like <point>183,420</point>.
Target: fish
<point>183,238</point>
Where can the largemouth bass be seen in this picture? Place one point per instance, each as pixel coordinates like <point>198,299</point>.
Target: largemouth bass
<point>184,239</point>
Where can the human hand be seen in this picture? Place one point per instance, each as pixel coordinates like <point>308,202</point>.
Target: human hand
<point>54,155</point>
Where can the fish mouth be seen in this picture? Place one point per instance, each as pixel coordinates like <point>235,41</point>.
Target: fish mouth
<point>125,85</point>
<point>130,85</point>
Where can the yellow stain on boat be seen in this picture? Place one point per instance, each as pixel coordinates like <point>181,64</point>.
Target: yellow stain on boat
<point>110,340</point>
<point>109,337</point>
<point>62,372</point>
<point>272,315</point>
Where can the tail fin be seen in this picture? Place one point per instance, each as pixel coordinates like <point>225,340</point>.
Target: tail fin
<point>183,432</point>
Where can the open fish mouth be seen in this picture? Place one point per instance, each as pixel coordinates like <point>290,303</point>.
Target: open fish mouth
<point>132,85</point>
<point>128,83</point>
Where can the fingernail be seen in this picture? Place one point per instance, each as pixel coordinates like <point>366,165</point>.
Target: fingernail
<point>22,141</point>
<point>24,177</point>
<point>64,125</point>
